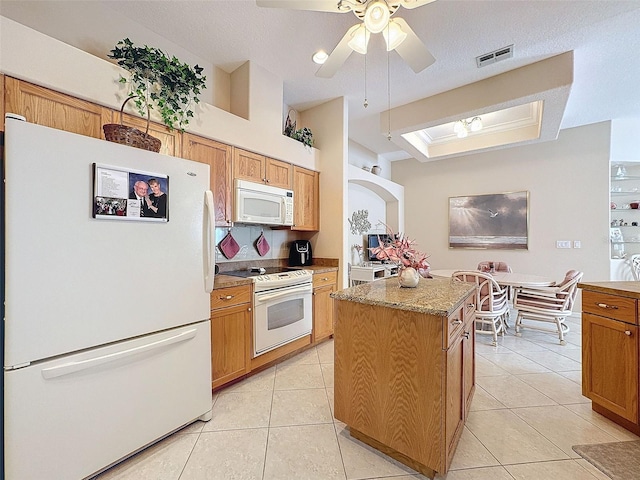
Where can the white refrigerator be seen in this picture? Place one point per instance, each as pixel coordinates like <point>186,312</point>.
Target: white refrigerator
<point>106,313</point>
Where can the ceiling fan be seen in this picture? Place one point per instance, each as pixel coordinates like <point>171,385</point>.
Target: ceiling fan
<point>376,17</point>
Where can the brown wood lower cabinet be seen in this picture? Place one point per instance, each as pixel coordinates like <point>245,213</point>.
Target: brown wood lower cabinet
<point>230,334</point>
<point>323,285</point>
<point>610,348</point>
<point>460,379</point>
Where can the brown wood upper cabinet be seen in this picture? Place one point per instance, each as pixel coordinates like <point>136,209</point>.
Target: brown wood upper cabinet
<point>53,109</point>
<point>260,169</point>
<point>171,139</point>
<point>306,200</point>
<point>218,157</point>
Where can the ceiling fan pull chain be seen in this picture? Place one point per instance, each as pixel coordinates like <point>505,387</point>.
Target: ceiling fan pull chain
<point>366,103</point>
<point>388,97</point>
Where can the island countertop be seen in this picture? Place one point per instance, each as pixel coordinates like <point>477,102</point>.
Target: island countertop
<point>432,296</point>
<point>622,288</point>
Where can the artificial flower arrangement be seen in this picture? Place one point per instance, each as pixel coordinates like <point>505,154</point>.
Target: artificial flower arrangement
<point>399,249</point>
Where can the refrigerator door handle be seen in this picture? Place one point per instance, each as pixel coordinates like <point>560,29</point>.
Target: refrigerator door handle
<point>210,239</point>
<point>73,367</point>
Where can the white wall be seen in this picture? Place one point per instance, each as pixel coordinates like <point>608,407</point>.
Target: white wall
<point>568,186</point>
<point>32,56</point>
<point>625,140</point>
<point>361,156</point>
<point>329,124</point>
<point>362,198</point>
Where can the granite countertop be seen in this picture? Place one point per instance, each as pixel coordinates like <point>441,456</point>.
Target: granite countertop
<point>318,268</point>
<point>221,281</point>
<point>625,289</point>
<point>432,296</point>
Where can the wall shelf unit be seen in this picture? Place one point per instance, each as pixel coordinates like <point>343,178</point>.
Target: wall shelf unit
<point>624,220</point>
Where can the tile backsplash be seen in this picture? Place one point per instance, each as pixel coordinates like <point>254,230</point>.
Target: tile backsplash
<point>246,237</point>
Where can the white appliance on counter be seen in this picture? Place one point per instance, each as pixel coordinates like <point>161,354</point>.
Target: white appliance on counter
<point>106,322</point>
<point>283,306</point>
<point>262,204</point>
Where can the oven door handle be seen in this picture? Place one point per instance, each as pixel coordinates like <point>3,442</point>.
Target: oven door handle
<point>265,298</point>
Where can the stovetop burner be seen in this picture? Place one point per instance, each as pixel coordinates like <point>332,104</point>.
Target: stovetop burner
<point>256,272</point>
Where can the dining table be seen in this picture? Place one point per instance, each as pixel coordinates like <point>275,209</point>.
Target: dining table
<point>507,279</point>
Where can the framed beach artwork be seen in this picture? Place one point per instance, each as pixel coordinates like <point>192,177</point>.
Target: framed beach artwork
<point>493,221</point>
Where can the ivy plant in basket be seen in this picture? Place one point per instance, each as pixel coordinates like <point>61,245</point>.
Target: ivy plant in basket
<point>156,82</point>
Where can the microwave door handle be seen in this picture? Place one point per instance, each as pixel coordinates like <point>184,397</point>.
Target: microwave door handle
<point>266,298</point>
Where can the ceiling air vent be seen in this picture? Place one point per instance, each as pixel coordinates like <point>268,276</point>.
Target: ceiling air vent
<point>495,56</point>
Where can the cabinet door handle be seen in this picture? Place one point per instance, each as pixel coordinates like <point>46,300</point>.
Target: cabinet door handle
<point>456,322</point>
<point>325,279</point>
<point>249,309</point>
<point>466,335</point>
<point>227,297</point>
<point>609,307</point>
<point>627,333</point>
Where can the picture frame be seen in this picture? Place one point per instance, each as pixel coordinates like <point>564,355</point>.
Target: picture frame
<point>125,194</point>
<point>616,235</point>
<point>490,221</point>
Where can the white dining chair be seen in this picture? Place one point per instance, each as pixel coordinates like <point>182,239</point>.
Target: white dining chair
<point>547,304</point>
<point>635,266</point>
<point>491,303</point>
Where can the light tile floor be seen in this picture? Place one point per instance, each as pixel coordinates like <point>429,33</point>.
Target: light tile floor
<point>526,414</point>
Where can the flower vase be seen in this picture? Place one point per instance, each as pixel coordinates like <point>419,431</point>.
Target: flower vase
<point>408,277</point>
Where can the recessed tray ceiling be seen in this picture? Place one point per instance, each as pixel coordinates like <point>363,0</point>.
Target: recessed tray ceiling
<point>518,107</point>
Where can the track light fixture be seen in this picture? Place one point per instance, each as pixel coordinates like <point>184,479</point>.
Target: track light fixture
<point>463,127</point>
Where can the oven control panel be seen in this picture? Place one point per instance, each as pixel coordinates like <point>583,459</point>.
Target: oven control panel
<point>282,279</point>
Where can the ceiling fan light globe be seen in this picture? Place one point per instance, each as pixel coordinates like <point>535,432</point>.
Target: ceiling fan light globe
<point>320,57</point>
<point>360,40</point>
<point>393,35</point>
<point>376,16</point>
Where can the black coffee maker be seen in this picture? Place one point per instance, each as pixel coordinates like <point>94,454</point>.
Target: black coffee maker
<point>300,253</point>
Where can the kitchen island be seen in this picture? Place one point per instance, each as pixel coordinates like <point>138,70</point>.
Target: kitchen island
<point>405,367</point>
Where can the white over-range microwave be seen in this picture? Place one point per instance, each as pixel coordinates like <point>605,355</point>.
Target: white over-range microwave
<point>262,204</point>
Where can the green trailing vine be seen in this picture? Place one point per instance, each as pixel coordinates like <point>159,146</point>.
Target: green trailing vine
<point>159,82</point>
<point>303,135</point>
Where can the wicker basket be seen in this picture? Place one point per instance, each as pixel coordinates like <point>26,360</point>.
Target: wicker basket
<point>133,137</point>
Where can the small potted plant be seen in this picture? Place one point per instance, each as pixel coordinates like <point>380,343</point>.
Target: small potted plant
<point>155,82</point>
<point>303,135</point>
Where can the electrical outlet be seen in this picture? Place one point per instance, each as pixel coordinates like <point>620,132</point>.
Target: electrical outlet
<point>577,244</point>
<point>563,244</point>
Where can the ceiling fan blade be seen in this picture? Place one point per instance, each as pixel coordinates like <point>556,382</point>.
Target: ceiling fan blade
<point>315,5</point>
<point>338,56</point>
<point>414,3</point>
<point>412,50</point>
